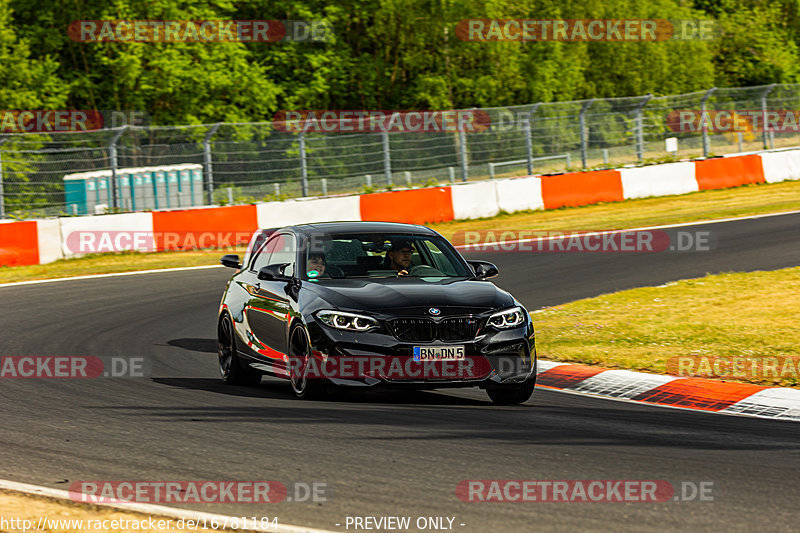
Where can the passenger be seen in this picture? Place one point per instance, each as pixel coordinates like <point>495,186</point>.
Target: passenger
<point>316,264</point>
<point>399,257</point>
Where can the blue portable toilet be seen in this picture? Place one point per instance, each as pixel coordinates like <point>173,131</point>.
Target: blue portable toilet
<point>139,188</point>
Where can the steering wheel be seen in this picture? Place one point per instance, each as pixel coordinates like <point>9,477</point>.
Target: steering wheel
<point>424,270</point>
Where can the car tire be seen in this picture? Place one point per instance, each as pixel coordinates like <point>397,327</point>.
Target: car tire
<point>231,369</point>
<point>512,394</point>
<point>304,387</point>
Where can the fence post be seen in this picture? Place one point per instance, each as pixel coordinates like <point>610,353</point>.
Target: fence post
<point>582,123</point>
<point>207,162</point>
<point>112,155</point>
<point>706,145</point>
<point>640,128</point>
<point>408,178</point>
<point>462,141</point>
<point>387,161</point>
<point>2,194</point>
<point>303,164</point>
<point>529,138</point>
<point>324,184</point>
<point>764,114</point>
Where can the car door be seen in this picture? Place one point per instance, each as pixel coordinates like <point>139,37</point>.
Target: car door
<point>268,308</point>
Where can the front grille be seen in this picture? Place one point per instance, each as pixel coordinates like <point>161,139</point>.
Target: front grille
<point>414,329</point>
<point>427,330</point>
<point>458,329</point>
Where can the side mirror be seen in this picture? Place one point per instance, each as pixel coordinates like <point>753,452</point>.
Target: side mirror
<point>484,269</point>
<point>273,272</point>
<point>231,260</point>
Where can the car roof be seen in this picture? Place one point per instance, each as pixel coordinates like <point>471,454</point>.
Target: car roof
<point>324,228</point>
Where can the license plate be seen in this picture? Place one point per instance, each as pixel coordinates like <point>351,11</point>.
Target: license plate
<point>438,353</point>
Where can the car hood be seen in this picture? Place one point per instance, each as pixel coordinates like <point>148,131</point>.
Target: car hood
<point>385,294</point>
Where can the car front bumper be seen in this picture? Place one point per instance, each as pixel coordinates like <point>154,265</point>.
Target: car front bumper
<point>369,359</point>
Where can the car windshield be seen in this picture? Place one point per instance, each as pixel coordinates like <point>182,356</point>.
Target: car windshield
<point>382,255</point>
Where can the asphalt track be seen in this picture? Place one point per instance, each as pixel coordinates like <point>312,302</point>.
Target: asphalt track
<point>395,454</point>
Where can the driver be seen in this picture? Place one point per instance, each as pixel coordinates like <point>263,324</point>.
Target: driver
<point>399,257</point>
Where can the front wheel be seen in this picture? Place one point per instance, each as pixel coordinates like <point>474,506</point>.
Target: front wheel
<point>230,367</point>
<point>304,386</point>
<point>512,394</point>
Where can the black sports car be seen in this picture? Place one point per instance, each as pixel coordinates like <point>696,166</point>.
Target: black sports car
<point>368,304</point>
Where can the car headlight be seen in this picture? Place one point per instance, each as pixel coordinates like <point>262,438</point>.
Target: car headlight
<point>347,321</point>
<point>510,318</point>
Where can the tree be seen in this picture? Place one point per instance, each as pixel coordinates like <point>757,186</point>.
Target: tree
<point>26,82</point>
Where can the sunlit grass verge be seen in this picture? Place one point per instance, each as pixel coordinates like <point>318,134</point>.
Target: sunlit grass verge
<point>704,205</point>
<point>734,315</point>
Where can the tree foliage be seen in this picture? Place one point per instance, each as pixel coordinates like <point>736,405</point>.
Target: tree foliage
<point>386,54</point>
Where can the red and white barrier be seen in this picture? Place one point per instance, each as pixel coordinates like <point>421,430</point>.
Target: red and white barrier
<point>519,194</point>
<point>106,233</point>
<point>277,214</point>
<point>19,243</point>
<point>205,227</point>
<point>475,200</point>
<point>581,188</point>
<point>724,172</point>
<point>43,241</point>
<point>658,180</point>
<point>48,232</point>
<point>781,166</point>
<point>413,206</point>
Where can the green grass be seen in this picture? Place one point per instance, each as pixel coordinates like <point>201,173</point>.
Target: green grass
<point>752,316</point>
<point>704,205</point>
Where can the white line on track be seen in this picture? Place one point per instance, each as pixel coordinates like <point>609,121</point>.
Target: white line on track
<point>151,509</point>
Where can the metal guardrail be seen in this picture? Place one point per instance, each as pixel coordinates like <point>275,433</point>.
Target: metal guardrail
<point>530,161</point>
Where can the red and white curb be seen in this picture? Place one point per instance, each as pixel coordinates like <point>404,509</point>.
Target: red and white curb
<point>688,393</point>
<point>154,510</point>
